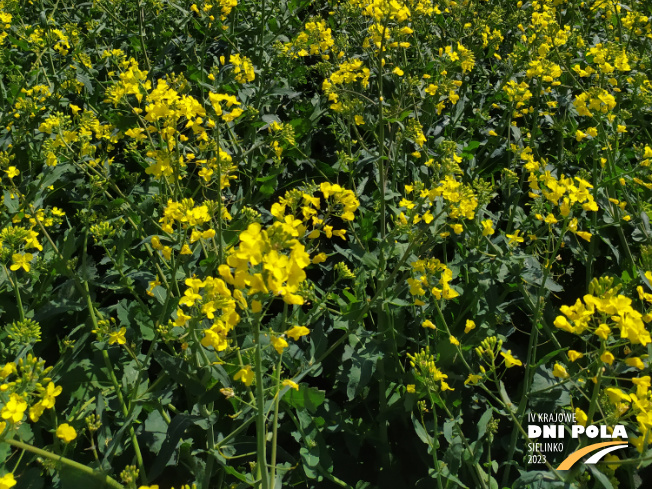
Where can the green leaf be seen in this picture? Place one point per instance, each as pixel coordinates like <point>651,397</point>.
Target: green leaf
<point>421,431</point>
<point>155,431</point>
<point>309,398</point>
<point>180,371</point>
<point>549,356</point>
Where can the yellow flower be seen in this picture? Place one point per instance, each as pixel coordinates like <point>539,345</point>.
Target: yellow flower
<point>515,238</point>
<point>36,411</point>
<point>473,379</point>
<point>410,388</point>
<point>428,324</point>
<point>446,387</point>
<point>181,319</point>
<point>21,260</point>
<point>559,371</point>
<point>291,383</point>
<point>7,370</point>
<point>431,89</point>
<point>488,227</point>
<point>574,355</point>
<point>319,258</point>
<point>457,228</point>
<point>12,172</point>
<point>581,417</point>
<point>296,332</point>
<point>279,344</point>
<point>603,331</point>
<point>51,391</point>
<point>635,362</point>
<point>454,341</point>
<point>510,361</point>
<point>397,71</point>
<point>66,432</point>
<point>118,337</point>
<point>469,326</point>
<point>607,358</point>
<point>246,375</point>
<point>256,307</point>
<point>14,409</point>
<point>7,480</point>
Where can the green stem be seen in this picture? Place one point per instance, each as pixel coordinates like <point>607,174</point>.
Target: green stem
<point>261,435</point>
<point>18,299</point>
<point>532,345</point>
<point>435,446</point>
<point>108,481</point>
<point>91,310</point>
<point>275,428</point>
<point>596,390</point>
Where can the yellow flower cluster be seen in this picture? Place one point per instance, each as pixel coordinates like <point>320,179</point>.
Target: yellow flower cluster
<point>347,73</point>
<point>187,215</point>
<point>215,303</point>
<point>433,275</point>
<point>463,55</point>
<point>26,389</point>
<point>133,80</point>
<point>243,68</point>
<point>14,243</point>
<point>519,93</point>
<point>274,271</point>
<point>5,24</point>
<point>608,310</point>
<point>427,372</point>
<point>383,10</point>
<point>460,198</point>
<point>341,202</point>
<point>597,99</point>
<point>315,39</point>
<point>222,7</point>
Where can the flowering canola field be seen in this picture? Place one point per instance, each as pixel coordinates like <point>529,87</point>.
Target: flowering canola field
<point>320,244</point>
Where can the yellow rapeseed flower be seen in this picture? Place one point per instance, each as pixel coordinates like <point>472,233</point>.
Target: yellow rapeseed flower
<point>470,324</point>
<point>118,337</point>
<point>66,432</point>
<point>296,332</point>
<point>14,408</point>
<point>428,324</point>
<point>574,355</point>
<point>510,360</point>
<point>607,357</point>
<point>245,374</point>
<point>559,371</point>
<point>7,480</point>
<point>21,260</point>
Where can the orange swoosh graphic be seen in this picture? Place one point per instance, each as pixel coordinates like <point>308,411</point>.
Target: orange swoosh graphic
<point>575,456</point>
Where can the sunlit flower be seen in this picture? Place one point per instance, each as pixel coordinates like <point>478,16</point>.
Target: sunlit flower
<point>510,361</point>
<point>245,374</point>
<point>66,432</point>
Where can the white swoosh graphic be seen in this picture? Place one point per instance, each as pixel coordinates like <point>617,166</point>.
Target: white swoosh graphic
<point>597,456</point>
